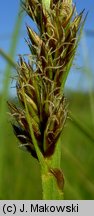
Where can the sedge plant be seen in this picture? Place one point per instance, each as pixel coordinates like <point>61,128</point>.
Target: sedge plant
<point>39,119</point>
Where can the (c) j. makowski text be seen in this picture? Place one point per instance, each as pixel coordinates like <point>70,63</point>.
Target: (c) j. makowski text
<point>51,208</point>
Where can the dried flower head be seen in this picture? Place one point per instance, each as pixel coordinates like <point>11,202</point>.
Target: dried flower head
<point>40,80</point>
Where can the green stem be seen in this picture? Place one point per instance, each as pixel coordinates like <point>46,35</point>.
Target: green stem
<point>52,179</point>
<point>50,188</point>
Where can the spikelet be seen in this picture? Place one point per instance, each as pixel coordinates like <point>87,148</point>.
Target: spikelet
<point>41,78</point>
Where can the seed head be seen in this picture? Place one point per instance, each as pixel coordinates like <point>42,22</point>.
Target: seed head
<point>40,78</point>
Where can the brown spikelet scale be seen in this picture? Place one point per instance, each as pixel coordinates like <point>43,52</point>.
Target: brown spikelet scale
<point>52,50</point>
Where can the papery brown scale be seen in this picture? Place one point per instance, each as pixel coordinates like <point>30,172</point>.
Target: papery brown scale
<point>24,123</point>
<point>31,92</point>
<point>50,150</point>
<point>58,77</point>
<point>44,17</point>
<point>34,37</point>
<point>66,22</point>
<point>13,108</point>
<point>43,62</point>
<point>30,7</point>
<point>59,177</point>
<point>50,144</point>
<point>55,125</point>
<point>45,115</point>
<point>52,45</point>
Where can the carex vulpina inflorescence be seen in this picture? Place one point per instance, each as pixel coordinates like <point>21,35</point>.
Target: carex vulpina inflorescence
<point>40,79</point>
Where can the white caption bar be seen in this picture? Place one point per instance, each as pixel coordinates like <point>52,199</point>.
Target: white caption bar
<point>43,207</point>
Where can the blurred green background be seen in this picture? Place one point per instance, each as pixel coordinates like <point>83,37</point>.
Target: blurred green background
<point>19,172</point>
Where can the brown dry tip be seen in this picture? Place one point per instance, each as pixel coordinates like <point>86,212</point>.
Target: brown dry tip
<point>59,177</point>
